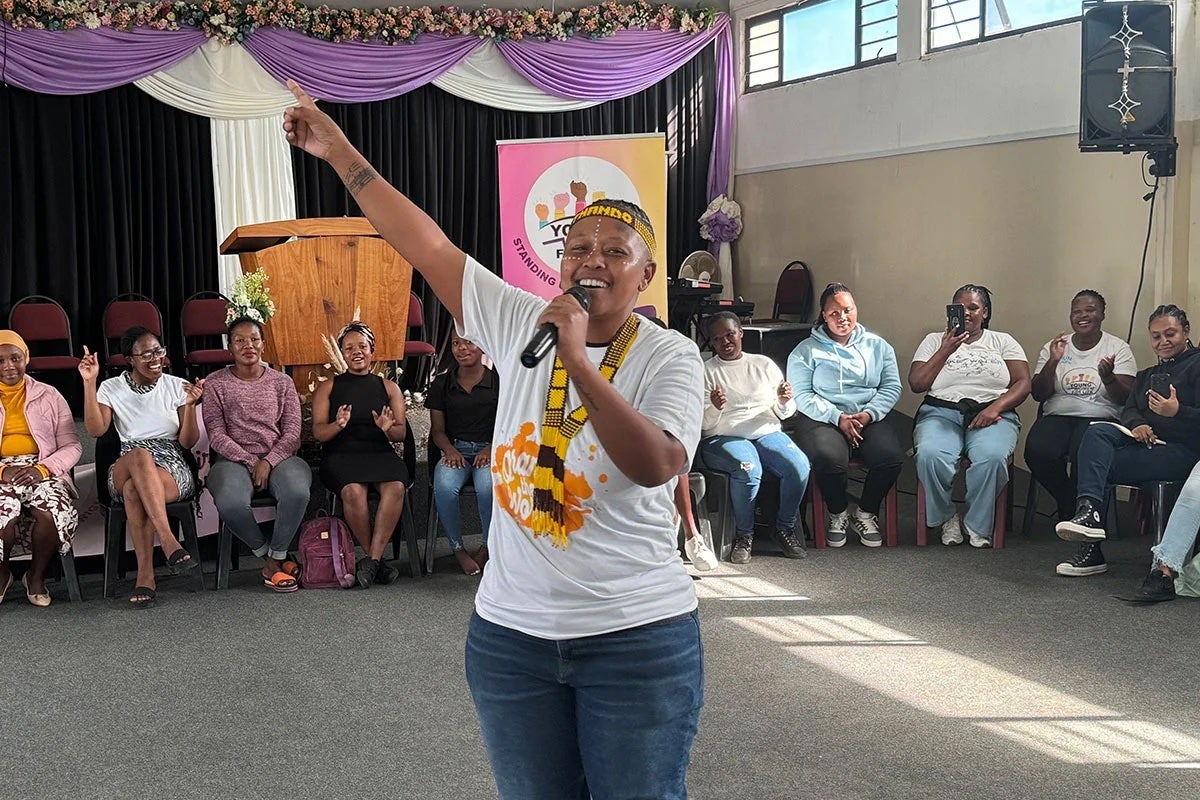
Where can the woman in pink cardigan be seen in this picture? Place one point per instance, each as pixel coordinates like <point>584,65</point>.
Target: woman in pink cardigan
<point>38,448</point>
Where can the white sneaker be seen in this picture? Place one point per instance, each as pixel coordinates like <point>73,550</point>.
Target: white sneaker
<point>835,528</point>
<point>698,552</point>
<point>952,531</point>
<point>977,540</point>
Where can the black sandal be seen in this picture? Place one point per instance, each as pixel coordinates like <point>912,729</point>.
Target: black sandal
<point>147,597</point>
<point>181,561</point>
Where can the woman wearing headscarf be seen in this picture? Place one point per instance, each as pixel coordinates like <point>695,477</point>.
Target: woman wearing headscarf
<point>38,448</point>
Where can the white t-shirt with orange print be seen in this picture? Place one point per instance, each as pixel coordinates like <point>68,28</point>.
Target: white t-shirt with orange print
<point>618,567</point>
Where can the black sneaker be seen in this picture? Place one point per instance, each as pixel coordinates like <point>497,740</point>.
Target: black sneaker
<point>1085,526</point>
<point>741,550</point>
<point>792,545</point>
<point>386,573</point>
<point>365,571</point>
<point>1156,588</point>
<point>1088,560</point>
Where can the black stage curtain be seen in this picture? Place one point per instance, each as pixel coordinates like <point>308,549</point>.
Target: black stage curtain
<point>440,150</point>
<point>104,194</point>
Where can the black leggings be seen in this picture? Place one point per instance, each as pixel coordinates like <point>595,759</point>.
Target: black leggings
<point>1052,444</point>
<point>830,455</point>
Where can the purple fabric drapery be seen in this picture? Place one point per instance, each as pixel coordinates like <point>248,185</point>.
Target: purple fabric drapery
<point>628,62</point>
<point>354,72</point>
<point>81,61</point>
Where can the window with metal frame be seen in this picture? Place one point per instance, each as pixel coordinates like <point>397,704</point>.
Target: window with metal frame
<point>818,37</point>
<point>955,22</point>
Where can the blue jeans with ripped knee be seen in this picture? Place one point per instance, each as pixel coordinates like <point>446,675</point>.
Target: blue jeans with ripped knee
<point>745,460</point>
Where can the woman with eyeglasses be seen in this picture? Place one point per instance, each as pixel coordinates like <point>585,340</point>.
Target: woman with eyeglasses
<point>155,417</point>
<point>973,379</point>
<point>847,383</point>
<point>252,417</point>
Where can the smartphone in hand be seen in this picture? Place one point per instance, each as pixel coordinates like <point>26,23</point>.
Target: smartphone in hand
<point>1160,384</point>
<point>956,318</point>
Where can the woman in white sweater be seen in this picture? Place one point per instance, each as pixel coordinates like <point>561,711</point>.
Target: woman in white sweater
<point>747,398</point>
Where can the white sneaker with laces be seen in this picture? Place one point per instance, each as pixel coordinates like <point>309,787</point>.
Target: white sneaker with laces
<point>952,531</point>
<point>977,540</point>
<point>699,553</point>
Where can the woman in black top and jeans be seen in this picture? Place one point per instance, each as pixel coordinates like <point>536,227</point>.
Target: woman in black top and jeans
<point>1163,413</point>
<point>462,413</point>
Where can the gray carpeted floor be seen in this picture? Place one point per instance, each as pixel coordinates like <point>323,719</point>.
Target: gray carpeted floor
<point>907,673</point>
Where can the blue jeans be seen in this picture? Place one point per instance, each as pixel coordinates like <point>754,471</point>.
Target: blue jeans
<point>448,483</point>
<point>1175,549</point>
<point>1108,457</point>
<point>231,488</point>
<point>610,717</point>
<point>744,460</point>
<point>942,440</point>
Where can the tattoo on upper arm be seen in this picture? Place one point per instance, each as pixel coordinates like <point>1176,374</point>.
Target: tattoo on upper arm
<point>358,176</point>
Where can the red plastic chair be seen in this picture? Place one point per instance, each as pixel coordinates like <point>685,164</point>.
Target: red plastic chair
<point>37,319</point>
<point>1003,518</point>
<point>203,317</point>
<point>414,346</point>
<point>891,511</point>
<point>122,313</point>
<point>793,294</point>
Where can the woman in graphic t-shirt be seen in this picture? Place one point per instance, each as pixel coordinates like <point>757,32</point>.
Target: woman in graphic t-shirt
<point>1079,378</point>
<point>972,382</point>
<point>583,656</point>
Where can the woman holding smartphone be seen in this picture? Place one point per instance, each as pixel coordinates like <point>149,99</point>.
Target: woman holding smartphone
<point>973,378</point>
<point>1162,416</point>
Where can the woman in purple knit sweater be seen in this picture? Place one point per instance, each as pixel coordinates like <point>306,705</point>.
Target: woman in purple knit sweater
<point>252,416</point>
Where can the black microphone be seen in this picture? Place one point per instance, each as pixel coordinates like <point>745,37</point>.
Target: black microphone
<point>547,335</point>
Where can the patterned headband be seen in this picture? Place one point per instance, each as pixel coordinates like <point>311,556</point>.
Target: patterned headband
<point>602,209</point>
<point>357,327</point>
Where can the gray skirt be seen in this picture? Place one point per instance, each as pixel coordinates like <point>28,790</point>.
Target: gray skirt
<point>167,454</point>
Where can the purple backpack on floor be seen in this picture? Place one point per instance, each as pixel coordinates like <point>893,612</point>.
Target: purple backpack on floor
<point>326,553</point>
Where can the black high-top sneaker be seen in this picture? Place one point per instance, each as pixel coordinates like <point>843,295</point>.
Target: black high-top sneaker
<point>1085,526</point>
<point>1088,560</point>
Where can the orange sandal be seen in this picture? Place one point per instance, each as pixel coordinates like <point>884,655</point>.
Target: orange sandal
<point>281,582</point>
<point>291,568</point>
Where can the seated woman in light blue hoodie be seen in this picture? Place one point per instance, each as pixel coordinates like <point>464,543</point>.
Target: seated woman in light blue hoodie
<point>846,383</point>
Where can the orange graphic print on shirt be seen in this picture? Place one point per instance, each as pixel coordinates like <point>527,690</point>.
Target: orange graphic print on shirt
<point>512,470</point>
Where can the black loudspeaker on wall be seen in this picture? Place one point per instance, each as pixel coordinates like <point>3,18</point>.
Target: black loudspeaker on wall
<point>1127,86</point>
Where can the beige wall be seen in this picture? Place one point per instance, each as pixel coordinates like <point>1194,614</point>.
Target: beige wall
<point>1034,220</point>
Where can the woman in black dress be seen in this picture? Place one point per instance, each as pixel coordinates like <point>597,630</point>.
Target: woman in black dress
<point>358,452</point>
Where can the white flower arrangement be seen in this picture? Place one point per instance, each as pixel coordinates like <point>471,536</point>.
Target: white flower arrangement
<point>251,298</point>
<point>721,221</point>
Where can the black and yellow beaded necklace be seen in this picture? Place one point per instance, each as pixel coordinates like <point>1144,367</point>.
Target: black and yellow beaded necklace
<point>558,429</point>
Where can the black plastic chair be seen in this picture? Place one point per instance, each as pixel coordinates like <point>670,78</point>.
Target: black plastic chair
<point>108,447</point>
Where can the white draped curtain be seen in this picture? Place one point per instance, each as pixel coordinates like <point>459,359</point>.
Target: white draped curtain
<point>252,164</point>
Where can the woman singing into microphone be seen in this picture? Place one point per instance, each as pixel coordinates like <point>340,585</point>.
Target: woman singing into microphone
<point>583,655</point>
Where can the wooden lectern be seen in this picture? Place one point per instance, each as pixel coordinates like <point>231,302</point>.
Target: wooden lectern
<point>319,271</point>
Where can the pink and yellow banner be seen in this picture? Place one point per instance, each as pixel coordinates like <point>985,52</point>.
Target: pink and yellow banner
<point>545,182</point>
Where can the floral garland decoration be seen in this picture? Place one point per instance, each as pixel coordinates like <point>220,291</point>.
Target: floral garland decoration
<point>231,21</point>
<point>250,298</point>
<point>721,221</point>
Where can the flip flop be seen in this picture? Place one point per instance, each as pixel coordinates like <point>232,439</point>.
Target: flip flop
<point>181,561</point>
<point>281,582</point>
<point>291,568</point>
<point>147,594</point>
